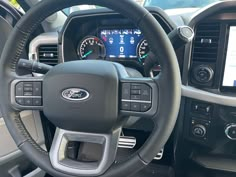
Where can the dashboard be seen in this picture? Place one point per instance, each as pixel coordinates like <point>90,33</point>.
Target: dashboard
<point>110,37</point>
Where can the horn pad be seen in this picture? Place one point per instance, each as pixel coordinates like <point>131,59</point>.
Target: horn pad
<point>82,96</point>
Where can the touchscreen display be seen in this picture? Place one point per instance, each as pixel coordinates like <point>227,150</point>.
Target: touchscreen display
<point>121,43</point>
<point>229,79</point>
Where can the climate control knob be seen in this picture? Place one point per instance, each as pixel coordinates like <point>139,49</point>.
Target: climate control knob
<point>203,73</point>
<point>230,131</point>
<point>199,130</point>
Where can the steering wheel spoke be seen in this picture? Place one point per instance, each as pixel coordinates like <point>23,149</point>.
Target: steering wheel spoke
<point>26,93</point>
<point>86,154</point>
<point>139,97</point>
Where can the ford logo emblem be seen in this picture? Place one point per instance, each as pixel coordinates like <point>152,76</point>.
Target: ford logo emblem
<point>75,94</point>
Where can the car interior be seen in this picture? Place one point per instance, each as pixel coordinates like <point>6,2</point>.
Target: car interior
<point>118,88</point>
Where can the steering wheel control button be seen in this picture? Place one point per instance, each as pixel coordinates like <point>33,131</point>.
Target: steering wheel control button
<point>37,102</point>
<point>145,107</point>
<point>136,92</point>
<point>126,91</point>
<point>138,97</point>
<point>199,131</point>
<point>37,89</point>
<point>135,107</point>
<point>28,93</point>
<point>125,106</point>
<point>28,102</point>
<point>135,97</point>
<point>146,93</point>
<point>136,86</point>
<point>19,89</point>
<point>20,101</point>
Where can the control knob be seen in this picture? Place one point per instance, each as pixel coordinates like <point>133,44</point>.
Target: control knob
<point>199,130</point>
<point>203,73</point>
<point>230,131</point>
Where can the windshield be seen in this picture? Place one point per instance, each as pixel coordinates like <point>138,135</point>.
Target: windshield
<point>164,4</point>
<point>175,4</point>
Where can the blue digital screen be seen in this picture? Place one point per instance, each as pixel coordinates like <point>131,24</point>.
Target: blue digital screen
<point>121,43</point>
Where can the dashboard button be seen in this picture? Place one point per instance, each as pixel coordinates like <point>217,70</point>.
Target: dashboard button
<point>145,93</point>
<point>125,106</point>
<point>199,131</point>
<point>126,91</point>
<point>19,89</point>
<point>20,101</point>
<point>145,107</point>
<point>135,107</point>
<point>230,131</point>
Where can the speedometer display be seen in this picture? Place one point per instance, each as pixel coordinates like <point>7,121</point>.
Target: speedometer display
<point>142,50</point>
<point>91,47</point>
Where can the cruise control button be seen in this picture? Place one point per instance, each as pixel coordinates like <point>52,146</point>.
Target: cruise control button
<point>126,91</point>
<point>28,89</point>
<point>28,93</point>
<point>145,107</point>
<point>146,93</point>
<point>20,101</point>
<point>135,92</point>
<point>135,97</point>
<point>28,84</point>
<point>135,107</point>
<point>37,102</point>
<point>125,106</point>
<point>28,102</point>
<point>19,89</point>
<point>136,86</point>
<point>37,89</point>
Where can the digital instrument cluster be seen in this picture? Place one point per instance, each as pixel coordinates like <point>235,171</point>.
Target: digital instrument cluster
<point>115,44</point>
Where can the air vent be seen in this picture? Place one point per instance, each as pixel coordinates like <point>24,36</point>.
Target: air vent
<point>205,45</point>
<point>48,54</point>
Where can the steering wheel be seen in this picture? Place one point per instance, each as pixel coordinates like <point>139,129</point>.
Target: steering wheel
<point>89,101</point>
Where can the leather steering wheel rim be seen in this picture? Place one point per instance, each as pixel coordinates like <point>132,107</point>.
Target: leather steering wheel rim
<point>169,99</point>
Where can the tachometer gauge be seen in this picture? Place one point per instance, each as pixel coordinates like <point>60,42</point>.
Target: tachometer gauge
<point>142,50</point>
<point>91,47</point>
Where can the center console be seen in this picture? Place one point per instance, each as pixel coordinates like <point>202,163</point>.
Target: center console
<point>209,127</point>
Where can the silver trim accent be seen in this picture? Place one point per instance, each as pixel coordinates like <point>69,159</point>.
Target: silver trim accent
<point>45,38</point>
<point>28,96</point>
<point>159,155</point>
<point>127,142</point>
<point>198,94</point>
<point>72,91</point>
<point>136,101</point>
<point>228,127</point>
<point>36,173</point>
<point>63,164</point>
